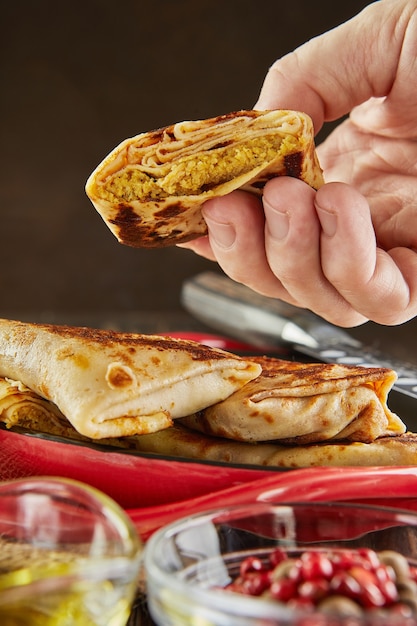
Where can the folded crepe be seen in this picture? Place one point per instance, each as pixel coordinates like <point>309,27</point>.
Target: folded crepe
<point>149,190</point>
<point>179,441</point>
<point>304,403</point>
<point>110,384</point>
<point>23,410</point>
<point>21,406</point>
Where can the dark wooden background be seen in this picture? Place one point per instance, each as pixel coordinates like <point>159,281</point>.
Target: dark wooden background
<point>77,77</point>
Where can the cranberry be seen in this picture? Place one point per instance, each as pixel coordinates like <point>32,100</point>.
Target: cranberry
<point>283,589</point>
<point>344,582</point>
<point>255,583</point>
<point>314,590</point>
<point>371,596</point>
<point>369,556</point>
<point>315,565</point>
<point>277,556</point>
<point>384,573</point>
<point>363,576</point>
<point>389,590</point>
<point>251,564</point>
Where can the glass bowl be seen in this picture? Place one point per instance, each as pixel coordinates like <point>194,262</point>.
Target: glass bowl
<point>189,562</point>
<point>69,555</point>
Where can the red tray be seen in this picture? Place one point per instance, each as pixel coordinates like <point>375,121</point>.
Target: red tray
<point>393,487</point>
<point>156,490</point>
<point>132,479</point>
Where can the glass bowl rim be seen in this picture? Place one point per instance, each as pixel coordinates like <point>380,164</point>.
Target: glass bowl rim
<point>245,606</point>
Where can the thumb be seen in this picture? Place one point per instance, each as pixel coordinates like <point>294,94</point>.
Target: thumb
<point>336,71</point>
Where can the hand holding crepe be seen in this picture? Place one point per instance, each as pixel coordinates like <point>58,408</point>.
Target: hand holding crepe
<point>149,190</point>
<point>110,384</point>
<point>303,403</point>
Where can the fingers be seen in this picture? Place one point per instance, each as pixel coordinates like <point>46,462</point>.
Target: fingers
<point>329,261</point>
<point>331,74</point>
<point>200,246</point>
<point>236,226</point>
<point>316,250</point>
<point>293,244</point>
<point>377,283</point>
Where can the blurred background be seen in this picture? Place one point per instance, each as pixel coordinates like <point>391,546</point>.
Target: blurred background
<point>79,76</point>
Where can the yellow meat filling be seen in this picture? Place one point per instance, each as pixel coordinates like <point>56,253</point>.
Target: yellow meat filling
<point>195,174</point>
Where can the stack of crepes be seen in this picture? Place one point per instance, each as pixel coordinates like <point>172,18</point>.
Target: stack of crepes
<point>180,398</point>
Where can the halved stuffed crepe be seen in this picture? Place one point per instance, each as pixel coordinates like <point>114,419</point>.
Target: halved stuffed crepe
<point>149,190</point>
<point>110,384</point>
<point>304,403</point>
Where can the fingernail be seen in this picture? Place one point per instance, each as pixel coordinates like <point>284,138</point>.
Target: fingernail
<point>222,234</point>
<point>278,222</point>
<point>328,221</point>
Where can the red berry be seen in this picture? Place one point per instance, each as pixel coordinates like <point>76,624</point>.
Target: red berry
<point>371,596</point>
<point>277,556</point>
<point>255,583</point>
<point>316,577</point>
<point>251,564</point>
<point>314,590</point>
<point>363,576</point>
<point>384,573</point>
<point>389,591</point>
<point>370,557</point>
<point>283,589</point>
<point>295,573</point>
<point>344,584</point>
<point>343,559</point>
<point>315,565</point>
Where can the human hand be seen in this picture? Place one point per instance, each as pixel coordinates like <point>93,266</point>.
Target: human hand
<point>348,252</point>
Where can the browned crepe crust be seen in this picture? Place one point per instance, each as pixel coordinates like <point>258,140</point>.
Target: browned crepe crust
<point>305,403</point>
<point>112,384</point>
<point>19,405</point>
<point>149,190</point>
<point>179,441</point>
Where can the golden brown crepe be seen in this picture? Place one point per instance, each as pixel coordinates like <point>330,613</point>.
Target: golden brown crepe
<point>24,410</point>
<point>305,403</point>
<point>149,190</point>
<point>110,384</point>
<point>20,405</point>
<point>21,408</point>
<point>180,441</point>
